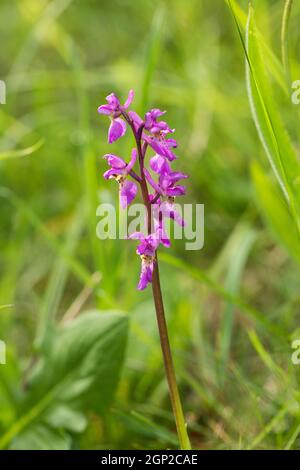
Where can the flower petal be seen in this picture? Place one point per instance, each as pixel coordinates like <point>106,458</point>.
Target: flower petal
<point>163,237</point>
<point>128,191</point>
<point>137,236</point>
<point>111,173</point>
<point>137,120</point>
<point>151,181</point>
<point>176,191</point>
<point>146,275</point>
<point>168,210</point>
<point>113,101</point>
<point>114,161</point>
<point>132,160</point>
<point>176,176</point>
<point>159,164</point>
<point>116,130</point>
<point>160,146</point>
<point>172,142</point>
<point>129,99</point>
<point>105,109</point>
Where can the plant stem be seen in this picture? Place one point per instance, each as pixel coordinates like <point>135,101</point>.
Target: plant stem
<point>183,437</point>
<point>168,361</point>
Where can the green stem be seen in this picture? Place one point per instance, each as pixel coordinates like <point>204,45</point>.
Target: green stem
<point>168,361</point>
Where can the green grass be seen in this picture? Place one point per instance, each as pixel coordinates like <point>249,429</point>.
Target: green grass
<point>232,308</point>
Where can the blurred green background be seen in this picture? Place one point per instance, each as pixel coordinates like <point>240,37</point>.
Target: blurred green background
<point>84,367</point>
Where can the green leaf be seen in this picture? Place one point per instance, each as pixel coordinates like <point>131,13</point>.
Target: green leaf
<point>267,119</point>
<point>81,371</point>
<point>275,211</point>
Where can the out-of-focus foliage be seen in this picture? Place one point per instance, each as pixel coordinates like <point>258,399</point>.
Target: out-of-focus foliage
<point>81,379</point>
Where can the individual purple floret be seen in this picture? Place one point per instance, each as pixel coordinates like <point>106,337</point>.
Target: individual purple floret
<point>114,109</point>
<point>119,171</point>
<point>148,132</point>
<point>146,249</point>
<point>157,137</point>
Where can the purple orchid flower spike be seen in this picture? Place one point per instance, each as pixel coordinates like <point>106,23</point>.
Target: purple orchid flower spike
<point>114,109</point>
<point>146,250</point>
<point>149,132</point>
<point>119,171</point>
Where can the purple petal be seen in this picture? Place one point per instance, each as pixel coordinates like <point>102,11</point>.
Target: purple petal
<point>161,126</point>
<point>137,120</point>
<point>146,275</point>
<point>171,142</point>
<point>168,210</point>
<point>176,191</point>
<point>169,154</point>
<point>137,236</point>
<point>105,109</point>
<point>128,191</point>
<point>113,101</point>
<point>159,164</point>
<point>164,182</point>
<point>116,130</point>
<point>163,237</point>
<point>177,217</point>
<point>129,99</point>
<point>151,181</point>
<point>161,147</point>
<point>132,160</point>
<point>153,241</point>
<point>156,112</point>
<point>176,176</point>
<point>154,143</point>
<point>114,161</point>
<point>112,172</point>
<point>142,248</point>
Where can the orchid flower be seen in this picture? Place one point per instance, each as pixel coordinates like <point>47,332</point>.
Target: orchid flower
<point>114,109</point>
<point>146,250</point>
<point>166,185</point>
<point>158,130</point>
<point>119,170</point>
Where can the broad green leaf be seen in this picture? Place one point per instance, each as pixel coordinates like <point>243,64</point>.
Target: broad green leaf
<point>81,371</point>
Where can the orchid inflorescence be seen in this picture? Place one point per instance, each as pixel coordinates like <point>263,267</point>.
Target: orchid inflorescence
<point>162,182</point>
